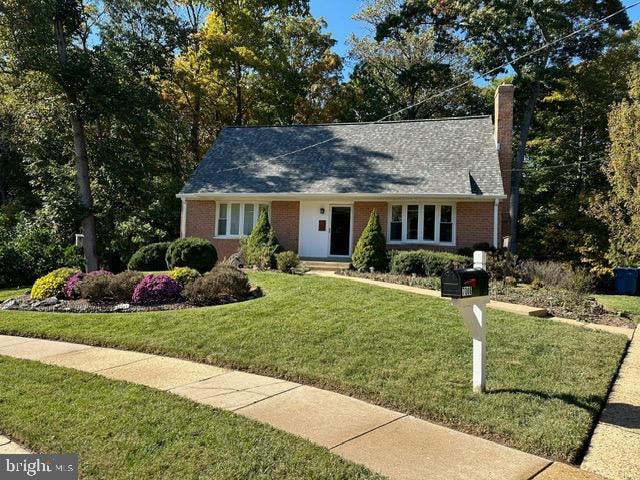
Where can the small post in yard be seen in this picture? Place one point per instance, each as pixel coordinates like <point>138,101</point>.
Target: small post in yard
<point>469,293</point>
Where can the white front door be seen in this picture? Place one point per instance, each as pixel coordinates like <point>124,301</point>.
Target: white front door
<point>314,229</point>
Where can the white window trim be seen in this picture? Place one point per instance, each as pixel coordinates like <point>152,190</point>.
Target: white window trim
<point>420,241</point>
<point>256,213</point>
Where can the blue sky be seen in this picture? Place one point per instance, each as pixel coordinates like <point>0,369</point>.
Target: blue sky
<point>338,15</point>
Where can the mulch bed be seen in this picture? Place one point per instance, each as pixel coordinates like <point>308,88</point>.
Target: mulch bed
<point>25,303</point>
<point>558,302</point>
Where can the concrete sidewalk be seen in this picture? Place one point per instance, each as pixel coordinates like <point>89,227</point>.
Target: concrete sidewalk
<point>391,443</point>
<point>503,306</point>
<point>8,447</point>
<point>615,446</point>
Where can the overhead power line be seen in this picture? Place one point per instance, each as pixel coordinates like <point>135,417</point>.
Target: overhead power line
<point>461,85</point>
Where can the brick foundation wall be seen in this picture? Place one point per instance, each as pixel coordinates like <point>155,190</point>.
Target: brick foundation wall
<point>361,213</point>
<point>474,223</point>
<point>285,219</point>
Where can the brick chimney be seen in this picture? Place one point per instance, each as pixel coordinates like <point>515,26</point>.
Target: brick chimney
<point>503,133</point>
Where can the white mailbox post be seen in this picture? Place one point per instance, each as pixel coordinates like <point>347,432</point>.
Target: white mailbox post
<point>473,312</point>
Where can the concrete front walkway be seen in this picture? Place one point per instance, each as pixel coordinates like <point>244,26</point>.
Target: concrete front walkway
<point>391,443</point>
<point>615,446</point>
<point>505,307</point>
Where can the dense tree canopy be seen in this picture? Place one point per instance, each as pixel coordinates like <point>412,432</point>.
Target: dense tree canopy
<point>107,106</point>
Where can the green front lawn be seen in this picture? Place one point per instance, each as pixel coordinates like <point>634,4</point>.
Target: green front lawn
<point>6,293</point>
<point>621,303</point>
<point>547,381</point>
<point>125,431</point>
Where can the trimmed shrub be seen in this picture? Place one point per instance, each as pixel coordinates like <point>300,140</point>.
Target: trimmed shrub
<point>94,287</point>
<point>260,248</point>
<point>155,289</point>
<point>425,262</point>
<point>223,284</point>
<point>371,249</point>
<point>287,261</point>
<point>152,257</point>
<point>184,275</point>
<point>192,252</point>
<point>122,285</point>
<point>72,286</point>
<point>52,284</point>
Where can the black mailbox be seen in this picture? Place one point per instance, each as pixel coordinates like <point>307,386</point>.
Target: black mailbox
<point>464,283</point>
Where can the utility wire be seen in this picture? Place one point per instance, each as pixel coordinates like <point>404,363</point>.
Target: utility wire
<point>551,167</point>
<point>463,84</point>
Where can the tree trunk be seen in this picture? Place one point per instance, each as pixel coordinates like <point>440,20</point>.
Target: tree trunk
<point>81,159</point>
<point>238,78</point>
<point>516,174</point>
<point>195,129</point>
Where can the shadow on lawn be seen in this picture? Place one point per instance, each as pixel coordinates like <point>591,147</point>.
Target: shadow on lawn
<point>592,403</point>
<point>622,415</point>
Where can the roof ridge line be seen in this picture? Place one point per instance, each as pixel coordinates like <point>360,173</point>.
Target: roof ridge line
<point>420,120</point>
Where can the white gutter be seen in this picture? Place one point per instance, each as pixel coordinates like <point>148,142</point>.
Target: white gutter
<point>495,223</point>
<point>288,195</point>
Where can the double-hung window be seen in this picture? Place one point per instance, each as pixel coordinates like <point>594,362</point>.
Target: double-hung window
<point>238,219</point>
<point>422,223</point>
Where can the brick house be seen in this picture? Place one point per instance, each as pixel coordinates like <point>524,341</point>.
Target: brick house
<point>436,184</point>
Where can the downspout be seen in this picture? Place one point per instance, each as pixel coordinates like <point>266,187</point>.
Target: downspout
<point>495,223</point>
<point>183,219</point>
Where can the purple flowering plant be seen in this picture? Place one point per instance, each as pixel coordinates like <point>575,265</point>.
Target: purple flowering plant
<point>154,289</point>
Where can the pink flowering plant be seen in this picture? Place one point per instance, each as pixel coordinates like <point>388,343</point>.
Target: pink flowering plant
<point>155,289</point>
<point>71,285</point>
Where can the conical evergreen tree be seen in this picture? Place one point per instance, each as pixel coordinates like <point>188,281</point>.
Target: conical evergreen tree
<point>371,249</point>
<point>261,243</point>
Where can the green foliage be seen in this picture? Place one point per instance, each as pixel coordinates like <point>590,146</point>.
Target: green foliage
<point>620,209</point>
<point>371,249</point>
<point>184,275</point>
<point>95,288</point>
<point>51,284</point>
<point>501,264</point>
<point>224,284</point>
<point>122,285</point>
<point>287,261</point>
<point>261,246</point>
<point>192,252</point>
<point>425,262</point>
<point>150,258</point>
<point>29,248</point>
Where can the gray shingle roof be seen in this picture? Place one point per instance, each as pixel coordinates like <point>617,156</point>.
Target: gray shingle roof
<point>454,156</point>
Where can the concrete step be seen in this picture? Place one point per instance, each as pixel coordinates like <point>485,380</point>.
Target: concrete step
<point>331,266</point>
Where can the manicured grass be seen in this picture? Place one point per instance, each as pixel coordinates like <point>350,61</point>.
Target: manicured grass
<point>621,303</point>
<point>124,431</point>
<point>12,292</point>
<point>547,381</point>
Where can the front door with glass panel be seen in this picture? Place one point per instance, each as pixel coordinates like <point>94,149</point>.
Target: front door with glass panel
<point>340,231</point>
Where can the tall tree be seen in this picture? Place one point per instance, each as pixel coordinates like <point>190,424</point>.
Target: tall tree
<point>620,209</point>
<point>497,33</point>
<point>407,68</point>
<point>50,37</point>
<point>566,151</point>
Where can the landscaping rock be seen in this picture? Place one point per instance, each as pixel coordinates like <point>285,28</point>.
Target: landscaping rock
<point>47,302</point>
<point>235,260</point>
<point>121,306</point>
<point>9,304</point>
